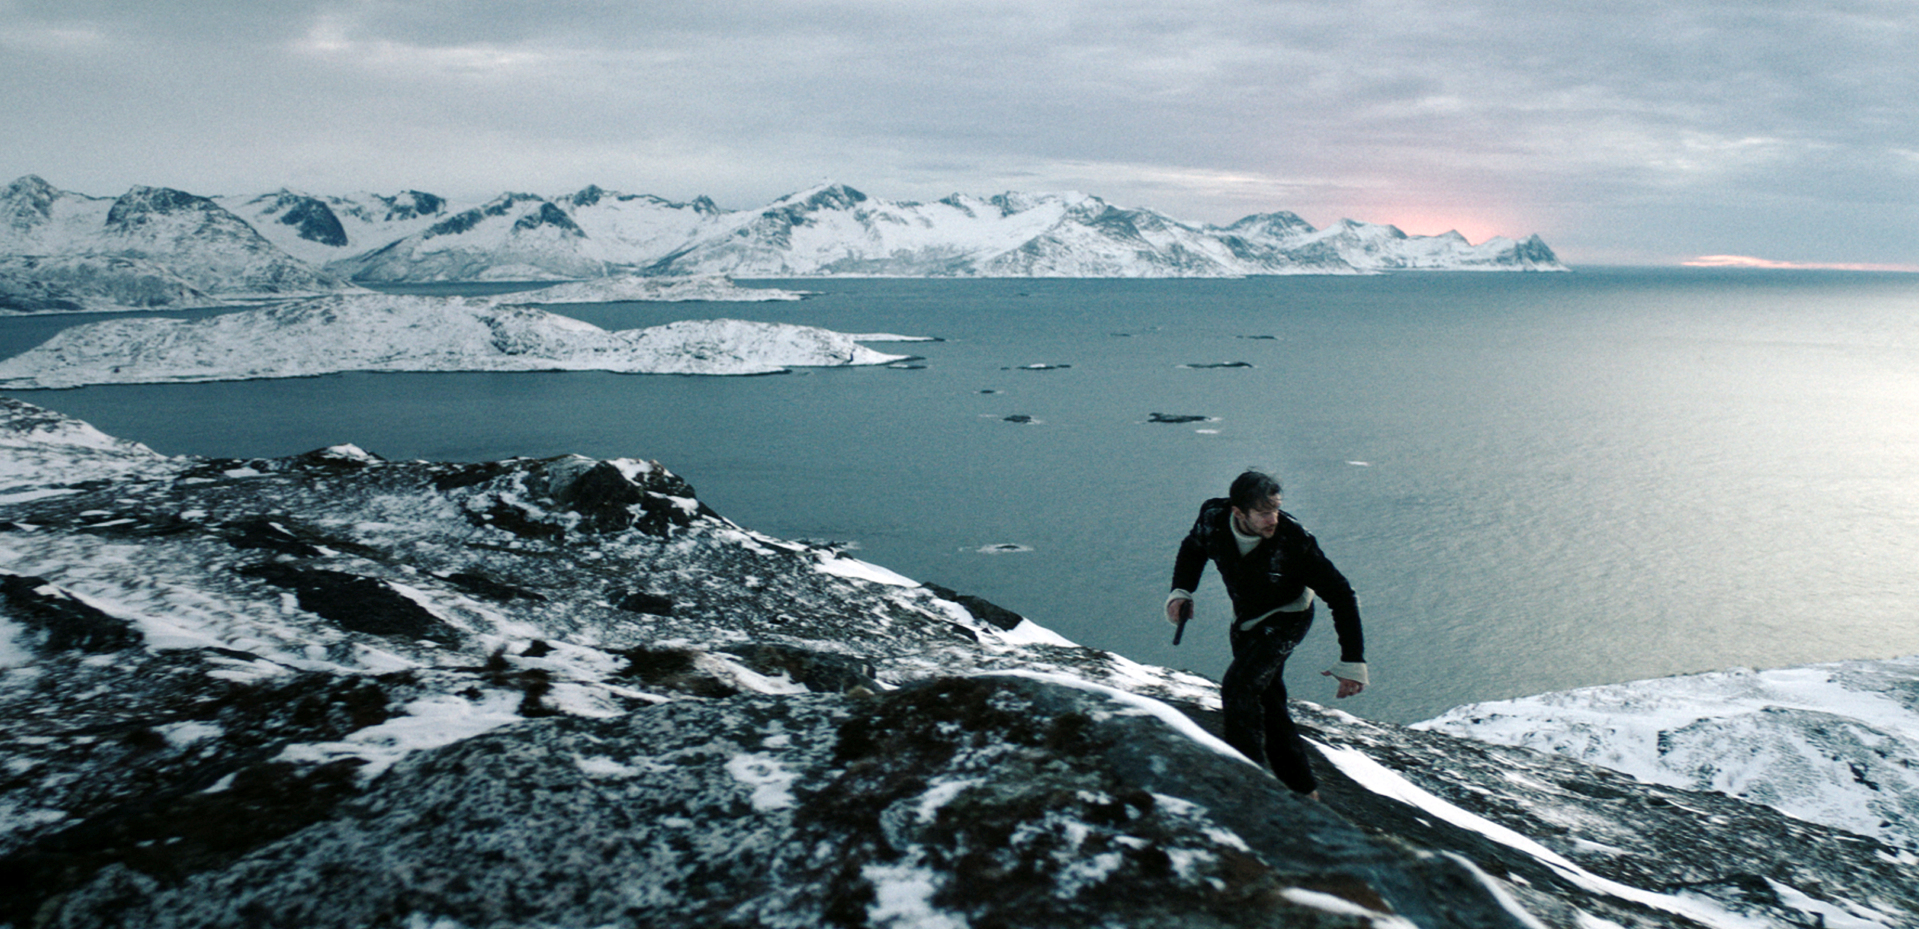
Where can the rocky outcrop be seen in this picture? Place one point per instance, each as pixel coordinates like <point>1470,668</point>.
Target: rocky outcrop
<point>334,690</point>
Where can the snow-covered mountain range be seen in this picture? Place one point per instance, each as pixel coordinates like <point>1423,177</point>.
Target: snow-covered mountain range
<point>333,690</point>
<point>192,238</point>
<point>291,242</point>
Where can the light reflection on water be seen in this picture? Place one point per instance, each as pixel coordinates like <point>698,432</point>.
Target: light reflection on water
<point>1567,479</point>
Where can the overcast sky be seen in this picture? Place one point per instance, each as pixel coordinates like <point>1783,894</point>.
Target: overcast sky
<point>1622,131</point>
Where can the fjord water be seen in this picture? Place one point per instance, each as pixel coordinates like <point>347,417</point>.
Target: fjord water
<point>1536,482</point>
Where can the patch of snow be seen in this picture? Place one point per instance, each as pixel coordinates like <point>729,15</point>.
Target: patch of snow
<point>941,794</point>
<point>1385,782</point>
<point>600,766</point>
<point>1030,633</point>
<point>183,734</point>
<point>903,899</point>
<point>1498,892</point>
<point>16,820</point>
<point>747,678</point>
<point>1830,916</point>
<point>429,722</point>
<point>1340,906</point>
<point>13,653</point>
<point>41,494</point>
<point>1144,706</point>
<point>841,566</point>
<point>771,783</point>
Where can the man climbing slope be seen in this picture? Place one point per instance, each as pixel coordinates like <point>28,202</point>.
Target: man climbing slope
<point>1274,571</point>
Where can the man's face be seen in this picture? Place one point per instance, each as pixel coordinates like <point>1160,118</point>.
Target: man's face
<point>1261,520</point>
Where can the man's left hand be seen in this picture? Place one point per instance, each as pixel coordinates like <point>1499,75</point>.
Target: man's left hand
<point>1346,688</point>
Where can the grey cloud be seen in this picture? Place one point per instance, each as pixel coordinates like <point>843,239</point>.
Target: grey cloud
<point>1554,111</point>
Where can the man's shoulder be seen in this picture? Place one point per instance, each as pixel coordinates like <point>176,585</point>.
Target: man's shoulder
<point>1291,528</point>
<point>1212,517</point>
<point>1214,513</point>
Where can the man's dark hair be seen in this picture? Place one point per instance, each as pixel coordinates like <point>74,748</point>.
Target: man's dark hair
<point>1253,489</point>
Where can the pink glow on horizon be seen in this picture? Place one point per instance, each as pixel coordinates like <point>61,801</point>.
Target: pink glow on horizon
<point>1747,261</point>
<point>1439,222</point>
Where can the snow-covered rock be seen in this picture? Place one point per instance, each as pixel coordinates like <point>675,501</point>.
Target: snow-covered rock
<point>379,332</point>
<point>333,690</point>
<point>1836,744</point>
<point>43,453</point>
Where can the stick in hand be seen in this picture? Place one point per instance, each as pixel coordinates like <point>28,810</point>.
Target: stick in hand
<point>1185,613</point>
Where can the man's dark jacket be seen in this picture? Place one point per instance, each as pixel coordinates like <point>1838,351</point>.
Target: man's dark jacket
<point>1274,574</point>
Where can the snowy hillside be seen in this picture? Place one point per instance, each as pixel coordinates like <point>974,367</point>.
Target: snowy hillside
<point>331,690</point>
<point>318,230</point>
<point>378,332</point>
<point>38,219</point>
<point>93,284</point>
<point>210,247</point>
<point>516,237</point>
<point>1836,744</point>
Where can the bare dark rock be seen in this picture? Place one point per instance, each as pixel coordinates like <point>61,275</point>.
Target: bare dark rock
<point>479,584</point>
<point>58,621</point>
<point>821,672</point>
<point>359,604</point>
<point>980,607</point>
<point>640,601</point>
<point>674,669</point>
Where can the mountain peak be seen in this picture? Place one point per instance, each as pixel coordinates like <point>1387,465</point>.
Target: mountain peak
<point>140,201</point>
<point>27,202</point>
<point>30,186</point>
<point>831,195</point>
<point>411,204</point>
<point>1280,224</point>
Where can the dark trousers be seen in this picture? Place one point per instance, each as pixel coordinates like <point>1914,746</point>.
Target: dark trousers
<point>1253,695</point>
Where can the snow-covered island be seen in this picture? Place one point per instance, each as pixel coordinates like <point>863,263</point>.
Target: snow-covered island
<point>631,288</point>
<point>331,690</point>
<point>380,332</point>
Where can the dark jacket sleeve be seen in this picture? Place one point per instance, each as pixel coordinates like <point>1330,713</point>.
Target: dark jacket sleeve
<point>1190,564</point>
<point>1332,587</point>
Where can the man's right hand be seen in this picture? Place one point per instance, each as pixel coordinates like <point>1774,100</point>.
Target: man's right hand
<point>1178,611</point>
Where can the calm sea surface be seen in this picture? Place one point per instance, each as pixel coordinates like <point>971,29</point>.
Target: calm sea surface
<point>1536,482</point>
